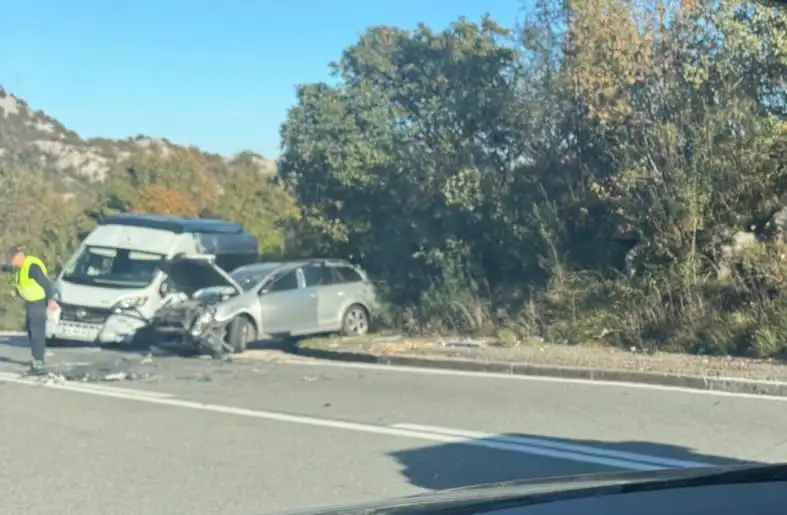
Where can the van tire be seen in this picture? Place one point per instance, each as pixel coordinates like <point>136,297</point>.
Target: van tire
<point>241,333</point>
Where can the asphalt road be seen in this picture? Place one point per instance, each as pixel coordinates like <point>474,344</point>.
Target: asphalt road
<point>274,432</point>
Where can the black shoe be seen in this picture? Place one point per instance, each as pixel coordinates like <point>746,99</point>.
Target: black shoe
<point>37,368</point>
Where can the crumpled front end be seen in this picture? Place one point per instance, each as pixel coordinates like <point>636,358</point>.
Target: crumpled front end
<point>190,321</point>
<point>190,325</point>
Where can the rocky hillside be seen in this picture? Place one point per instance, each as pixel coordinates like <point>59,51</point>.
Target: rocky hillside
<point>34,139</point>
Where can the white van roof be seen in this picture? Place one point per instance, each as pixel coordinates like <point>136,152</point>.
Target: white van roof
<point>176,224</point>
<point>212,236</point>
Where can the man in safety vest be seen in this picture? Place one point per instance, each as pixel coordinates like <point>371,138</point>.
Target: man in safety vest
<point>33,286</point>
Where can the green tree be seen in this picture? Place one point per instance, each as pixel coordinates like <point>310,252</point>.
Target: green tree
<point>45,223</point>
<point>261,205</point>
<point>403,159</point>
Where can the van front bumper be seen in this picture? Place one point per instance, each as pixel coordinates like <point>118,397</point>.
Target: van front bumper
<point>118,328</point>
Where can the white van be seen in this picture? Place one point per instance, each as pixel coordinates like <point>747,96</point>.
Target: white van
<point>112,285</point>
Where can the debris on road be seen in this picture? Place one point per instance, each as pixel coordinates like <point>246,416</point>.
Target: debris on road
<point>464,343</point>
<point>108,370</point>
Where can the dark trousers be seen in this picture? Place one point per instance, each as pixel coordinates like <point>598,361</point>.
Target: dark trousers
<point>35,324</point>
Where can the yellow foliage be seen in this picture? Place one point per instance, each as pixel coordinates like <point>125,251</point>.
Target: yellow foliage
<point>164,200</point>
<point>259,204</point>
<point>609,50</point>
<point>181,169</point>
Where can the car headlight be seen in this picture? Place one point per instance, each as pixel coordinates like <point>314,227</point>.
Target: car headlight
<point>130,303</point>
<point>203,321</point>
<point>207,317</point>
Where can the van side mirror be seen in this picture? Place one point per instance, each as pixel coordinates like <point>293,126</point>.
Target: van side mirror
<point>264,291</point>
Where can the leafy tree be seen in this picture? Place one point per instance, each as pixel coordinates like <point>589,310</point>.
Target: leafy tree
<point>261,205</point>
<point>610,136</point>
<point>164,200</point>
<point>45,223</point>
<point>174,169</point>
<point>392,165</point>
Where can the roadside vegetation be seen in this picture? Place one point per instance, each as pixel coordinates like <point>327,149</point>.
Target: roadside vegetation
<point>587,177</point>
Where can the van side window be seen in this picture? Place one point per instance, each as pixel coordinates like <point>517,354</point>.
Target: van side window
<point>345,274</point>
<point>288,281</point>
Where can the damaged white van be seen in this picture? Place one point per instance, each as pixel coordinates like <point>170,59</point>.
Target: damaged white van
<point>113,284</point>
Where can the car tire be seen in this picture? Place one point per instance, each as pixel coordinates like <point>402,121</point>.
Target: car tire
<point>355,321</point>
<point>144,338</point>
<point>53,342</point>
<point>241,333</point>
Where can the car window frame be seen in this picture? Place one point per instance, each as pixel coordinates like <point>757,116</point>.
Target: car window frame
<point>325,272</point>
<point>337,273</point>
<point>265,288</point>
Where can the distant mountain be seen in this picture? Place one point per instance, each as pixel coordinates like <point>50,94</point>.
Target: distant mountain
<point>34,139</point>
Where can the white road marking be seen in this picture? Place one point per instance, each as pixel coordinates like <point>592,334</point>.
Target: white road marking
<point>600,456</point>
<point>76,386</point>
<point>560,446</point>
<point>543,379</point>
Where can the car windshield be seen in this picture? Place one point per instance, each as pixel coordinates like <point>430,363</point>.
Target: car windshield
<point>249,277</point>
<point>110,267</point>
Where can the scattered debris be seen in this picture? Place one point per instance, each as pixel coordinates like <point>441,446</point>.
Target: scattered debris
<point>388,338</point>
<point>123,369</point>
<point>50,378</point>
<point>119,376</point>
<point>463,343</point>
<point>202,378</point>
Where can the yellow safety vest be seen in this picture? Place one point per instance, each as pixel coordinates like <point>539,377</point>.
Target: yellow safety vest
<point>28,288</point>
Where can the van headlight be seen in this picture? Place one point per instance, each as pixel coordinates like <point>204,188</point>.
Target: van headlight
<point>203,321</point>
<point>130,303</point>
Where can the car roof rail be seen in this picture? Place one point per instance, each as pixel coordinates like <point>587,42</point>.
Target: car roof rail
<point>323,260</point>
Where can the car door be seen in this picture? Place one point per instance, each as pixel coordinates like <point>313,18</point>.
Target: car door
<point>338,292</point>
<point>320,281</point>
<point>286,306</point>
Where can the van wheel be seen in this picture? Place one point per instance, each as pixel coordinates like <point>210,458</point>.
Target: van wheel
<point>355,321</point>
<point>242,332</point>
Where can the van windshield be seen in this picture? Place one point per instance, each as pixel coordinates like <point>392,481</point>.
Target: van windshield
<point>113,267</point>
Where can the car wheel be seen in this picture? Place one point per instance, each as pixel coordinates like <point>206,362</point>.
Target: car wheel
<point>242,332</point>
<point>355,321</point>
<point>143,338</point>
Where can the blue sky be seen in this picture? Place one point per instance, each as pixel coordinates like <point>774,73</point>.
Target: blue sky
<point>219,74</point>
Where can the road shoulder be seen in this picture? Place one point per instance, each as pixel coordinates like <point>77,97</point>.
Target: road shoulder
<point>728,374</point>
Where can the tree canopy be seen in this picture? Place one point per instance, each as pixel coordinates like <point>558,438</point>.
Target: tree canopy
<point>596,158</point>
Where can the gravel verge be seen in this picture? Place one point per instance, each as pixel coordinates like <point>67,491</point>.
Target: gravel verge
<point>732,374</point>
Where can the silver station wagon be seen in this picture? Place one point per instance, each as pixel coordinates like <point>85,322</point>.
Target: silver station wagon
<point>222,312</point>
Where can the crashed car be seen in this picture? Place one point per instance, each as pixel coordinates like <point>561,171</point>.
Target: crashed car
<point>209,310</point>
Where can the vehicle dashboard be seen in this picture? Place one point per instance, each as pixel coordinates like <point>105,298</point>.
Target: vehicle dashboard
<point>751,499</point>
